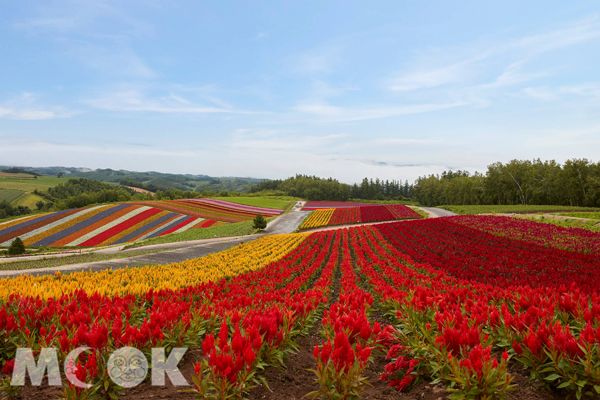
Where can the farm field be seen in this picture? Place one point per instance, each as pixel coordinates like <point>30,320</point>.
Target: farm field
<point>9,195</point>
<point>29,200</point>
<point>516,209</point>
<point>29,184</point>
<point>401,304</point>
<point>355,215</point>
<point>124,222</point>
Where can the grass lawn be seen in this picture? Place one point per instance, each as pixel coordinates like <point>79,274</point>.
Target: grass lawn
<point>517,209</point>
<point>29,200</point>
<point>29,184</point>
<point>70,260</point>
<point>589,215</point>
<point>277,202</point>
<point>236,229</point>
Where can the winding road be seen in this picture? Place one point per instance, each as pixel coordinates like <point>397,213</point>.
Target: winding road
<point>181,251</point>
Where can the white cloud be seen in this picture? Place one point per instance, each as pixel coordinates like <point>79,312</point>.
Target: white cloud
<point>261,35</point>
<point>26,107</point>
<point>587,89</point>
<point>538,93</point>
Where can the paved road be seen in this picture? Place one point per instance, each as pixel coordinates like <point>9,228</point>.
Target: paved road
<point>437,212</point>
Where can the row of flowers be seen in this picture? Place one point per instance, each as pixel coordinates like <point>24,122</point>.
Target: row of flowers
<point>241,324</point>
<point>581,240</point>
<point>100,226</point>
<point>354,215</point>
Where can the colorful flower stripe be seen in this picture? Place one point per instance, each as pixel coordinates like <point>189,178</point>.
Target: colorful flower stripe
<point>133,228</point>
<point>128,221</point>
<point>33,225</point>
<point>375,214</point>
<point>91,224</point>
<point>167,226</point>
<point>111,222</point>
<point>400,211</point>
<point>244,258</point>
<point>577,239</point>
<point>50,229</point>
<point>317,218</point>
<point>6,225</point>
<point>60,238</point>
<point>196,222</point>
<point>160,228</point>
<point>221,209</point>
<point>14,230</point>
<point>141,232</point>
<point>196,211</point>
<point>243,207</point>
<point>346,215</point>
<point>182,223</point>
<point>316,205</point>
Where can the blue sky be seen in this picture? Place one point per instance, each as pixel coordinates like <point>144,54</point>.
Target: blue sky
<point>389,89</point>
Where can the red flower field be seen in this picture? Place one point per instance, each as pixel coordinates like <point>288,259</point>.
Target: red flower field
<point>443,301</point>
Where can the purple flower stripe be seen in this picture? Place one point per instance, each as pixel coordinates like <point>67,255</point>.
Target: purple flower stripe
<point>240,207</point>
<point>30,222</point>
<point>166,227</point>
<point>146,228</point>
<point>47,241</point>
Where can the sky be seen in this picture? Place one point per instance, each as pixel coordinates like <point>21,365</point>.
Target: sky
<point>268,89</point>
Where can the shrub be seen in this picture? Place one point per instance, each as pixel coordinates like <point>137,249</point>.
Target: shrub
<point>16,247</point>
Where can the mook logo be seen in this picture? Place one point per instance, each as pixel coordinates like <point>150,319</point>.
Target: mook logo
<point>127,367</point>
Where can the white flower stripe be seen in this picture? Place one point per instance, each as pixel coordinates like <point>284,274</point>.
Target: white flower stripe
<point>108,226</point>
<point>190,225</point>
<point>52,225</point>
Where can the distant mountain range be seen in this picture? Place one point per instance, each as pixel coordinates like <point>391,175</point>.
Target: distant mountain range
<point>150,180</point>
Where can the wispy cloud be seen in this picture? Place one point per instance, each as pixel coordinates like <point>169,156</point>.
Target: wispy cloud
<point>97,33</point>
<point>25,107</point>
<point>538,93</point>
<point>587,89</point>
<point>331,113</point>
<point>135,100</point>
<point>433,69</point>
<point>261,35</point>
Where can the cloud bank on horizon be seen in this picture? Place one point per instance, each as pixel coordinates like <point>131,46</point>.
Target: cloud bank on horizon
<point>388,90</point>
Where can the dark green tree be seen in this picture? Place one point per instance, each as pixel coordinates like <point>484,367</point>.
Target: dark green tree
<point>16,247</point>
<point>260,222</point>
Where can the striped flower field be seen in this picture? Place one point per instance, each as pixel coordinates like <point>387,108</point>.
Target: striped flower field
<point>353,215</point>
<point>126,222</point>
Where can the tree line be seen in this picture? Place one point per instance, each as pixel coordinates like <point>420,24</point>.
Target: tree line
<point>319,189</point>
<point>536,182</point>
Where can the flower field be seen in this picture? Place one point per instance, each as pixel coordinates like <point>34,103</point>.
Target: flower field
<point>441,300</point>
<point>354,215</point>
<point>123,223</point>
